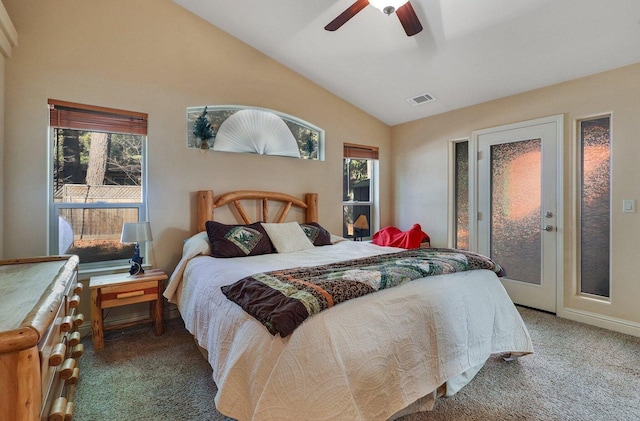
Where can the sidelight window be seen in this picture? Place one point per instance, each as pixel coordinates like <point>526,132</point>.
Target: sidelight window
<point>595,205</point>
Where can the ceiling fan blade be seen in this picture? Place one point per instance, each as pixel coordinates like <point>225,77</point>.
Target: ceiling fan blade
<point>409,19</point>
<point>346,15</point>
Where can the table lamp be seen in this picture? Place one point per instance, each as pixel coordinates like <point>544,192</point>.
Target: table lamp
<point>136,232</point>
<point>361,224</point>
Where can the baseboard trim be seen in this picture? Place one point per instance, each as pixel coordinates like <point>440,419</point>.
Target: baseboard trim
<point>612,323</point>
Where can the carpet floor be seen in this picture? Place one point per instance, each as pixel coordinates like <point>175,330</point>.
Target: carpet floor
<point>578,372</point>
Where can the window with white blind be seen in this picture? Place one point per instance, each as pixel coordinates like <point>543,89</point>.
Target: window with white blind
<point>360,165</point>
<point>97,180</point>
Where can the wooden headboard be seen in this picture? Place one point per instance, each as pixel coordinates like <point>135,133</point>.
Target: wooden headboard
<point>206,205</point>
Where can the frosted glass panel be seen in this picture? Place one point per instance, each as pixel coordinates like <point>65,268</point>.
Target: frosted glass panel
<point>515,208</point>
<point>462,195</point>
<point>595,206</point>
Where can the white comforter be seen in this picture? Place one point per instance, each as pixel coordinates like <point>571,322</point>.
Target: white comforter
<point>365,359</point>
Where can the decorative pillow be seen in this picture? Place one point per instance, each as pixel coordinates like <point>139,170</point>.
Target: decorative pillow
<point>287,237</point>
<point>317,234</point>
<point>238,240</point>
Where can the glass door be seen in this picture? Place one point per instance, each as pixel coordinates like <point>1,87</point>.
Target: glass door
<point>517,204</point>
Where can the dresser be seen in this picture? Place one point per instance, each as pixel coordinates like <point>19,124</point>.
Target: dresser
<point>39,341</point>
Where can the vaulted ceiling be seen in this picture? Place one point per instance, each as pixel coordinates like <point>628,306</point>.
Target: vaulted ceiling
<point>470,51</point>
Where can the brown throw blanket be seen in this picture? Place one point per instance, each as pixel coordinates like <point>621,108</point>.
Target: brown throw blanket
<point>281,300</point>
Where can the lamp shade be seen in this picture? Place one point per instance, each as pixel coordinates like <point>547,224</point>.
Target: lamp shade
<point>387,6</point>
<point>136,232</point>
<point>361,223</point>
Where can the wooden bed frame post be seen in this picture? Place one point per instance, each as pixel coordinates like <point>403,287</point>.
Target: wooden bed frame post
<point>205,209</point>
<point>312,207</point>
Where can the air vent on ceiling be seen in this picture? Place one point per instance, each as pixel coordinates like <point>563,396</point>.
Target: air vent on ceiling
<point>421,99</point>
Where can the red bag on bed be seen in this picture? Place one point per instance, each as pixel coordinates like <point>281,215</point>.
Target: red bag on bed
<point>392,236</point>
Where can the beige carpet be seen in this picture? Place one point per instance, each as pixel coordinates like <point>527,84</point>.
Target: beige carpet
<point>578,372</point>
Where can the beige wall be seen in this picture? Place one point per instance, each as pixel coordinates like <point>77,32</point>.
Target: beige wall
<point>8,39</point>
<point>420,151</point>
<point>2,154</point>
<point>153,56</point>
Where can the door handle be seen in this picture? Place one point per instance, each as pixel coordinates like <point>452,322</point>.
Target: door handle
<point>548,228</point>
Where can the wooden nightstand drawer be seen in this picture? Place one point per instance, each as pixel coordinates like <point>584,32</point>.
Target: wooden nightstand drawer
<point>121,295</point>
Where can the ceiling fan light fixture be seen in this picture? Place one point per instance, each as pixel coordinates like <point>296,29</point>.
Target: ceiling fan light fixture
<point>402,9</point>
<point>387,6</point>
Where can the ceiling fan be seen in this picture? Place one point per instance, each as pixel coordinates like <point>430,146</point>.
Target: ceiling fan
<point>402,8</point>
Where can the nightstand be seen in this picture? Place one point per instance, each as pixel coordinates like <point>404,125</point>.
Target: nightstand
<point>121,289</point>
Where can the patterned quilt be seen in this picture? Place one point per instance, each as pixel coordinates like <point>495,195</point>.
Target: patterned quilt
<point>281,300</point>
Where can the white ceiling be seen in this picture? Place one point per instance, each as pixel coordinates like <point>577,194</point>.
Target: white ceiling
<point>470,51</point>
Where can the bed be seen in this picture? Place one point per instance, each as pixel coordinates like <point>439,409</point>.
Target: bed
<point>376,357</point>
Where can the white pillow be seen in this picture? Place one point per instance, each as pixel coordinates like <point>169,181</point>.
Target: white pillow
<point>336,239</point>
<point>196,245</point>
<point>287,237</point>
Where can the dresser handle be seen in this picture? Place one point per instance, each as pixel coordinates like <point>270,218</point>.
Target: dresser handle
<point>74,301</point>
<point>129,294</point>
<point>58,409</point>
<point>68,413</point>
<point>78,288</point>
<point>74,339</point>
<point>67,324</point>
<point>75,376</point>
<point>57,355</point>
<point>77,351</point>
<point>66,370</point>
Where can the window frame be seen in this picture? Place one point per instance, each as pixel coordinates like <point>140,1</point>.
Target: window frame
<point>452,237</point>
<point>579,147</point>
<point>54,208</point>
<point>371,154</point>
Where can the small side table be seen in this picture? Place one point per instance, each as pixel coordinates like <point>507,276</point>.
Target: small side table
<point>122,289</point>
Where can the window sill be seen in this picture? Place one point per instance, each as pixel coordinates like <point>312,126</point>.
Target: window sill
<point>88,272</point>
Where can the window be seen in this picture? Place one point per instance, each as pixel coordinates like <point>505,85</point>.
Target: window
<point>358,187</point>
<point>97,180</point>
<point>595,204</point>
<point>461,195</point>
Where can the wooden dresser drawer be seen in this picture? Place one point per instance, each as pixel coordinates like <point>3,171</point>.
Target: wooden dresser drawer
<point>50,345</point>
<point>59,359</point>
